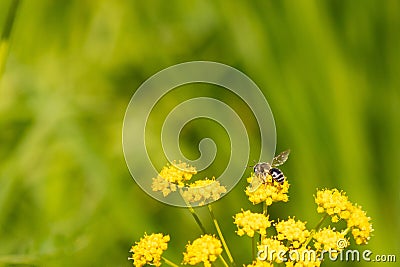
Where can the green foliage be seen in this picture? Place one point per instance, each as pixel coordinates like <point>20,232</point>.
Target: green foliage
<point>329,70</point>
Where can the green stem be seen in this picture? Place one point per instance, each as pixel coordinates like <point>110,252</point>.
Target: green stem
<point>265,212</point>
<point>346,231</point>
<point>220,235</point>
<point>197,219</point>
<point>223,261</point>
<point>5,36</point>
<point>193,212</point>
<point>316,228</point>
<point>253,247</point>
<point>265,208</point>
<point>170,263</point>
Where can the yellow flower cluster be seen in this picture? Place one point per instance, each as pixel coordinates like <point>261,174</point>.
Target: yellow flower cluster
<point>334,202</point>
<point>327,238</point>
<point>203,190</point>
<point>178,172</point>
<point>360,224</point>
<point>248,223</point>
<point>271,247</point>
<point>160,184</point>
<point>293,231</point>
<point>172,176</point>
<point>149,250</point>
<point>337,205</point>
<point>270,191</point>
<point>293,244</point>
<point>205,249</point>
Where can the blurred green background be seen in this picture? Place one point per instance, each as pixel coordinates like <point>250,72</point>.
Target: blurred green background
<point>329,69</point>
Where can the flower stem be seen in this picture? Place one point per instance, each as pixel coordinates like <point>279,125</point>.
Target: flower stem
<point>346,231</point>
<point>265,208</point>
<point>253,247</point>
<point>193,212</point>
<point>197,219</point>
<point>170,263</point>
<point>316,228</point>
<point>320,222</point>
<point>265,212</point>
<point>220,235</point>
<point>223,261</point>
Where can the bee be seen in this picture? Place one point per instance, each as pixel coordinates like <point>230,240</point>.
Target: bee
<point>263,169</point>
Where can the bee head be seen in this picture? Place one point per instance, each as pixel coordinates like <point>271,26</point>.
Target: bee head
<point>261,168</point>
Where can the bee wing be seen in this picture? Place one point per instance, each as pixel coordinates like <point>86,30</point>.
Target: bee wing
<point>281,158</point>
<point>255,183</point>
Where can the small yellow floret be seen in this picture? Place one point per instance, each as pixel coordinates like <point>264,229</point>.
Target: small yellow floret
<point>270,191</point>
<point>172,176</point>
<point>203,191</point>
<point>162,185</point>
<point>178,172</point>
<point>334,202</point>
<point>360,224</point>
<point>248,223</point>
<point>205,249</point>
<point>329,239</point>
<point>293,231</point>
<point>149,250</point>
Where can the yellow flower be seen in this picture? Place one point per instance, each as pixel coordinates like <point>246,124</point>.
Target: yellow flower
<point>360,225</point>
<point>259,263</point>
<point>327,239</point>
<point>248,223</point>
<point>149,250</point>
<point>205,249</point>
<point>178,172</point>
<point>271,247</point>
<point>270,191</point>
<point>203,190</point>
<point>293,231</point>
<point>334,202</point>
<point>337,205</point>
<point>172,176</point>
<point>160,184</point>
<point>303,257</point>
